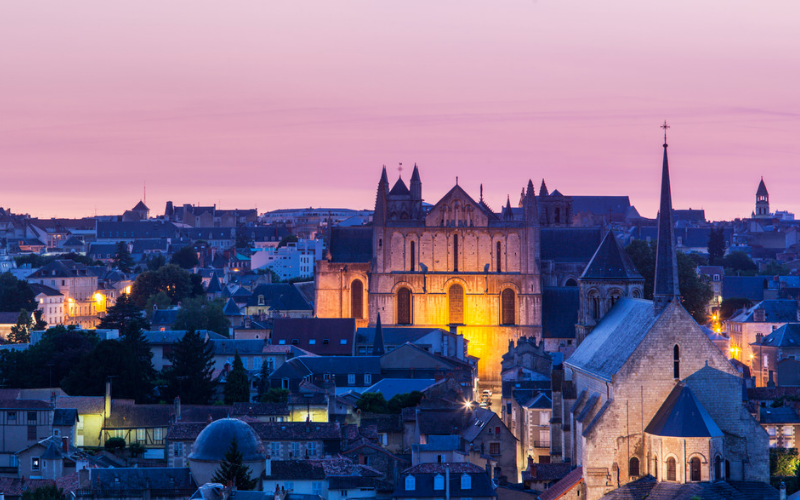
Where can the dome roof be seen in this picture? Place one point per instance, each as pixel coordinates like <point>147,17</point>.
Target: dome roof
<point>212,444</point>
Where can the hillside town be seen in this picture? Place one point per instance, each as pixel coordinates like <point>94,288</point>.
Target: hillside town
<point>557,347</point>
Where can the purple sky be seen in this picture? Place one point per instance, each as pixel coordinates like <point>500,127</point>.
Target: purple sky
<point>299,103</point>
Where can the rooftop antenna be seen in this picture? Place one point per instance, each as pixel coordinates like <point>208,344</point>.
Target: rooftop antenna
<point>481,191</point>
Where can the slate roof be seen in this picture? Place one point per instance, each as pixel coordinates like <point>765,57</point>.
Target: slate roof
<point>142,478</point>
<point>748,287</point>
<point>560,312</point>
<point>231,309</point>
<point>611,262</point>
<point>127,415</point>
<point>564,485</point>
<point>424,475</point>
<point>615,338</point>
<point>213,285</point>
<point>260,409</point>
<point>156,337</point>
<point>780,415</point>
<point>762,189</point>
<point>242,346</point>
<point>164,316</point>
<point>334,330</point>
<point>569,244</point>
<point>287,431</point>
<point>392,335</point>
<point>480,419</point>
<point>216,438</point>
<point>350,244</point>
<point>23,404</point>
<point>682,415</point>
<point>65,416</point>
<point>185,431</point>
<point>399,188</point>
<point>278,296</point>
<point>601,205</point>
<point>390,387</point>
<point>786,336</point>
<point>775,311</point>
<point>341,364</point>
<point>547,472</point>
<point>450,442</point>
<point>61,269</point>
<point>136,230</point>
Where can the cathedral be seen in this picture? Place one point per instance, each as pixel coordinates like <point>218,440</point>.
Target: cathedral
<point>646,395</point>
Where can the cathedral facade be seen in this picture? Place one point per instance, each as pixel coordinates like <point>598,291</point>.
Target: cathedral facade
<point>455,265</point>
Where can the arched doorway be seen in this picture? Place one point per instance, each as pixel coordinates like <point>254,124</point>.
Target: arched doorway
<point>403,306</point>
<point>455,298</point>
<point>694,466</point>
<point>672,469</point>
<point>508,300</point>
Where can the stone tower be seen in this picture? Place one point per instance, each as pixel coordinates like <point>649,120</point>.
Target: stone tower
<point>762,201</point>
<point>608,277</point>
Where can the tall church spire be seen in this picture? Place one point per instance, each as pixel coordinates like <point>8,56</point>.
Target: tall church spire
<point>378,348</point>
<point>380,200</point>
<point>666,281</point>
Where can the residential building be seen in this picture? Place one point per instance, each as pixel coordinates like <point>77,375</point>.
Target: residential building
<point>83,301</point>
<point>321,336</point>
<point>456,481</point>
<point>276,300</point>
<point>293,260</point>
<point>761,319</point>
<point>783,344</point>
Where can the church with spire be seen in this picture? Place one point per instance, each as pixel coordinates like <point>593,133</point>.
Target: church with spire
<point>646,395</point>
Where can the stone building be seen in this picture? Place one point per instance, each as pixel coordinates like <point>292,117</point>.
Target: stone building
<point>647,393</point>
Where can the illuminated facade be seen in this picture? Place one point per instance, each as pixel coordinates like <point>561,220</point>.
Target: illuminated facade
<point>457,265</point>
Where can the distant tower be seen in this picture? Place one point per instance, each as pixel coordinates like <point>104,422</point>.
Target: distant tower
<point>762,201</point>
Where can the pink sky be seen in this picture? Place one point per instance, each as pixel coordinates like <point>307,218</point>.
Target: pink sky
<point>298,103</point>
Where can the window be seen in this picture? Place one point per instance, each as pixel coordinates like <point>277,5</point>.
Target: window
<point>295,341</point>
<point>351,379</point>
<point>295,449</point>
<point>403,306</point>
<point>289,485</point>
<point>671,469</point>
<point>141,435</point>
<point>494,448</point>
<point>357,299</point>
<point>466,482</point>
<point>676,362</point>
<point>326,341</point>
<point>316,488</point>
<point>177,449</point>
<point>633,467</point>
<point>311,449</point>
<point>261,300</point>
<point>275,449</point>
<point>367,379</point>
<point>594,305</point>
<point>499,258</point>
<point>410,483</point>
<point>285,383</point>
<point>158,434</point>
<point>455,253</point>
<point>35,463</point>
<point>343,341</point>
<point>717,468</point>
<point>12,416</point>
<point>508,301</point>
<point>438,482</point>
<point>456,304</point>
<point>412,255</point>
<point>31,416</point>
<point>694,465</point>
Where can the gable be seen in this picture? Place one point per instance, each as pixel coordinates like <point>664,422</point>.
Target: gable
<point>456,208</point>
<point>410,357</point>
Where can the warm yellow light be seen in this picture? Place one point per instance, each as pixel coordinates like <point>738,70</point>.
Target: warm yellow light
<point>70,300</point>
<point>733,349</point>
<point>128,289</point>
<point>98,297</point>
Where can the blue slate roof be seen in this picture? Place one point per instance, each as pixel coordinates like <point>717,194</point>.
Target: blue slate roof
<point>682,415</point>
<point>350,244</point>
<point>775,311</point>
<point>611,261</point>
<point>601,205</point>
<point>391,387</point>
<point>164,317</point>
<point>392,335</point>
<point>569,244</point>
<point>278,296</point>
<point>137,230</point>
<point>242,346</point>
<point>786,336</point>
<point>560,312</point>
<point>748,287</point>
<point>141,478</point>
<point>231,309</point>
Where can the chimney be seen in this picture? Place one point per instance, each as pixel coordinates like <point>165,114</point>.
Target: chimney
<point>759,315</point>
<point>782,492</point>
<point>771,382</point>
<point>530,464</point>
<point>84,479</point>
<point>65,444</point>
<point>108,398</point>
<point>177,403</point>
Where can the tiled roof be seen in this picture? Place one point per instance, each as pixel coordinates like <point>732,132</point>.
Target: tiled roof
<point>285,431</point>
<point>142,478</point>
<point>278,297</point>
<point>23,404</point>
<point>84,404</point>
<point>772,393</point>
<point>185,431</point>
<point>339,333</point>
<point>564,485</point>
<point>260,409</point>
<point>569,244</point>
<point>15,486</point>
<point>547,472</point>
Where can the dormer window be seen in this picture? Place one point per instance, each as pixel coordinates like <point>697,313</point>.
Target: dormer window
<point>410,483</point>
<point>261,300</point>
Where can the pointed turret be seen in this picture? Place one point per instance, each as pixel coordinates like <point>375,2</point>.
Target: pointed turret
<point>416,194</point>
<point>543,190</point>
<point>522,199</point>
<point>762,189</point>
<point>762,201</point>
<point>531,208</point>
<point>380,200</point>
<point>666,280</point>
<point>377,345</point>
<point>508,214</point>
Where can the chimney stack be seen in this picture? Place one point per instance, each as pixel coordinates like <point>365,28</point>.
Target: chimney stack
<point>65,444</point>
<point>108,398</point>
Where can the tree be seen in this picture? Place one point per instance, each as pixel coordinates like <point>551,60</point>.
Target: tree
<point>199,314</point>
<point>233,471</point>
<point>114,444</point>
<point>405,400</point>
<point>38,322</point>
<point>373,402</point>
<point>237,385</point>
<point>775,268</point>
<point>274,396</point>
<point>170,279</point>
<point>696,293</point>
<point>15,294</point>
<point>242,239</point>
<point>156,261</point>
<point>122,257</point>
<point>739,263</point>
<point>49,492</point>
<point>716,246</point>
<point>729,306</point>
<point>124,316</point>
<point>290,238</point>
<point>158,301</point>
<point>21,332</point>
<point>186,258</point>
<point>783,461</point>
<point>192,364</point>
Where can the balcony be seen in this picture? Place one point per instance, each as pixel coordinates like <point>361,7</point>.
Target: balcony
<point>541,444</point>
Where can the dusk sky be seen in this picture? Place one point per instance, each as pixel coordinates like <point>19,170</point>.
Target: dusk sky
<point>278,104</point>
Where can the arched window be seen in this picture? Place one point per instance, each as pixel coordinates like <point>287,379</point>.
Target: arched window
<point>403,306</point>
<point>676,362</point>
<point>727,469</point>
<point>694,465</point>
<point>357,299</point>
<point>413,256</point>
<point>671,469</point>
<point>509,306</point>
<point>655,467</point>
<point>455,252</point>
<point>717,468</point>
<point>594,305</point>
<point>615,295</point>
<point>455,299</point>
<point>466,482</point>
<point>636,295</point>
<point>571,282</point>
<point>499,258</point>
<point>410,483</point>
<point>633,467</point>
<point>438,482</point>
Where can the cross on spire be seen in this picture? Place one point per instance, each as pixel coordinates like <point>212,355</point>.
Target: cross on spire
<point>665,127</point>
<point>400,170</point>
